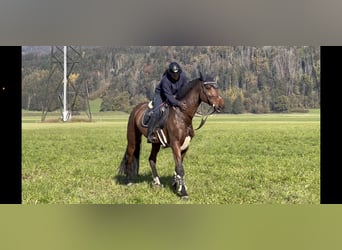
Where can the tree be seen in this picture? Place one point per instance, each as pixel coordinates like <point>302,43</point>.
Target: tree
<point>228,105</point>
<point>238,105</point>
<point>282,104</point>
<point>32,90</point>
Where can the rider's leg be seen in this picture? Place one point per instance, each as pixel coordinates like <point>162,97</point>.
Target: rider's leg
<point>152,126</point>
<point>154,120</point>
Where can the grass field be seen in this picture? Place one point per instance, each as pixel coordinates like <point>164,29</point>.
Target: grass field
<point>233,159</point>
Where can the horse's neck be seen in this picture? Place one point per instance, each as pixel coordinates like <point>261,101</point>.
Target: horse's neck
<point>192,100</point>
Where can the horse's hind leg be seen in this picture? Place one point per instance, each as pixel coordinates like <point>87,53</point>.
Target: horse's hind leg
<point>153,161</point>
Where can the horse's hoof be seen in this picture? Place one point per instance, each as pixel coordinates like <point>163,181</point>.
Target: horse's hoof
<point>154,185</point>
<point>129,184</point>
<point>185,198</point>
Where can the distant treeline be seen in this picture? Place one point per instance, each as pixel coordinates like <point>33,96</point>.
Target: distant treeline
<point>252,79</point>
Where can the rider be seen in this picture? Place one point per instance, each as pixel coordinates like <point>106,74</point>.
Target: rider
<point>172,80</point>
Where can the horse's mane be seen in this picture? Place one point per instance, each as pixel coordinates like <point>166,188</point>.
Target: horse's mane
<point>186,88</point>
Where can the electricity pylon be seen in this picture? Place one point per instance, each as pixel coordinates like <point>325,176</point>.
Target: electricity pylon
<point>65,60</point>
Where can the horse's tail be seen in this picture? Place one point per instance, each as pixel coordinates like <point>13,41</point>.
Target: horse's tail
<point>125,167</point>
<point>122,166</point>
<point>130,162</point>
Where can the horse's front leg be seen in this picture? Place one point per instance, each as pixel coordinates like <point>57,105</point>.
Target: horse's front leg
<point>178,178</point>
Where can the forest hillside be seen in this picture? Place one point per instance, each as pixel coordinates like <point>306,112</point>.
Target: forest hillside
<point>251,79</point>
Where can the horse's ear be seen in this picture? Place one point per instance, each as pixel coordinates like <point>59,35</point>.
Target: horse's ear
<point>201,76</point>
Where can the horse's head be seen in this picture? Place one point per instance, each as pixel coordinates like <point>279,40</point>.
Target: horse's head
<point>210,93</point>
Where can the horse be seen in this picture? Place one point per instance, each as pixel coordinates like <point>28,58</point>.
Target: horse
<point>177,132</point>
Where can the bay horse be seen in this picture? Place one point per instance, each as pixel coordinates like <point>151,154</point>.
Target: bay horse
<point>176,133</point>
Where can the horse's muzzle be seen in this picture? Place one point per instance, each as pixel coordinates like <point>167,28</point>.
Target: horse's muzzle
<point>218,109</point>
<point>220,105</point>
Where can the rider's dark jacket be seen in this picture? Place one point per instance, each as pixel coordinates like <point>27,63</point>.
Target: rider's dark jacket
<point>168,88</point>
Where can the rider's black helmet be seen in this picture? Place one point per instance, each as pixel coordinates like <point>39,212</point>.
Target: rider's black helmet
<point>174,68</point>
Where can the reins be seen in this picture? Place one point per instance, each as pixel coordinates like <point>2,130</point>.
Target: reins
<point>204,118</point>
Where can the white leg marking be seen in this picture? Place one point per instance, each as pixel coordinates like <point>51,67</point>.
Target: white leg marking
<point>156,181</point>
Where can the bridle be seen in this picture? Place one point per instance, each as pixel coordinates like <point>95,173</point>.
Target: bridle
<point>204,117</point>
<point>215,86</point>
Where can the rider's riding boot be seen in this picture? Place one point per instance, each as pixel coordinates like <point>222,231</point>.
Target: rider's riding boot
<point>151,126</point>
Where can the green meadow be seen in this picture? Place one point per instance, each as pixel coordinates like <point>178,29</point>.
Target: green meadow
<point>233,159</point>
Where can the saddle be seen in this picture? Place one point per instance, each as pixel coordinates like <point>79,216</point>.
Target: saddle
<point>164,112</point>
